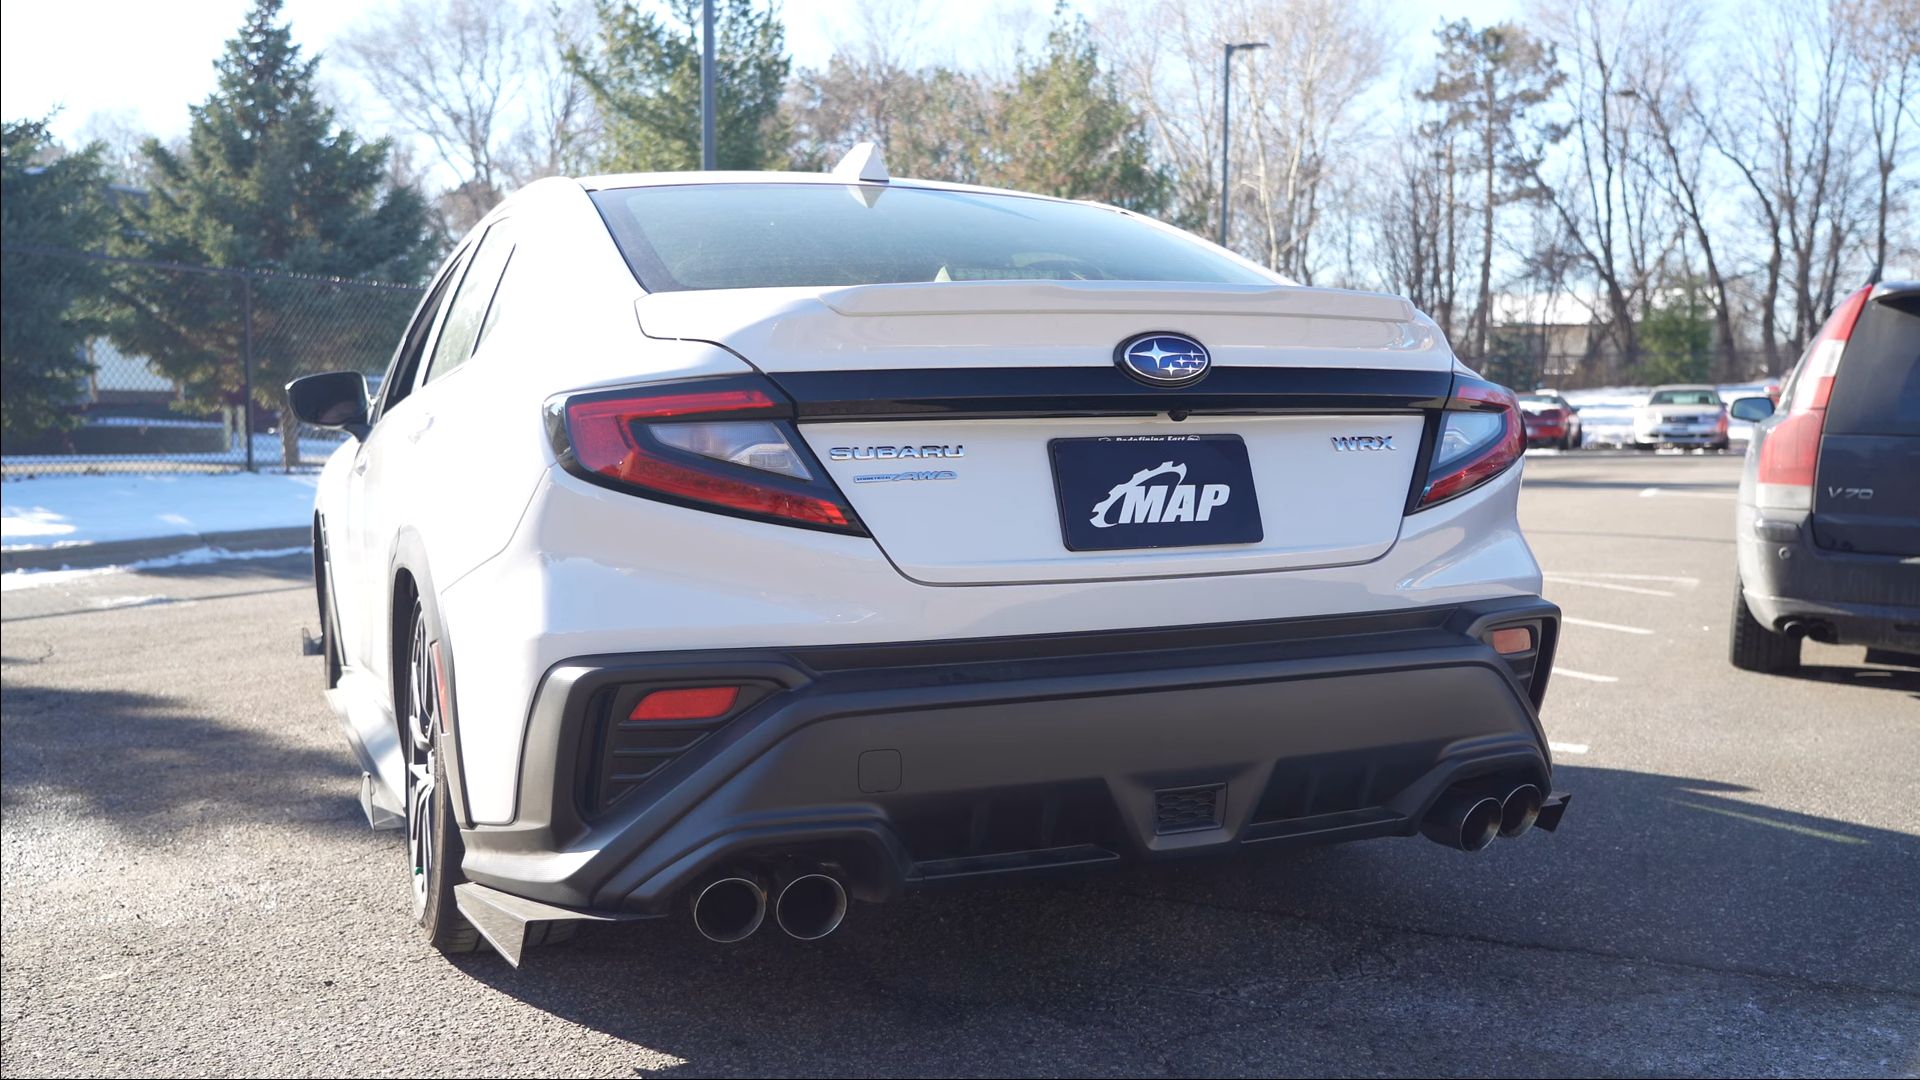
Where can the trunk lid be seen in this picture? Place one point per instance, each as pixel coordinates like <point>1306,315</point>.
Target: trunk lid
<point>1866,495</point>
<point>985,434</point>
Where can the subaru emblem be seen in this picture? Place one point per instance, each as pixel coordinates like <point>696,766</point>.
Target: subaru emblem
<point>1163,359</point>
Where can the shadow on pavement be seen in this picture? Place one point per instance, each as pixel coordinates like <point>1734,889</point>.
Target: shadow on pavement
<point>1878,677</point>
<point>1651,879</point>
<point>149,766</point>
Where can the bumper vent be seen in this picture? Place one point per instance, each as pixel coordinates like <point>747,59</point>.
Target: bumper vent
<point>1178,810</point>
<point>623,754</point>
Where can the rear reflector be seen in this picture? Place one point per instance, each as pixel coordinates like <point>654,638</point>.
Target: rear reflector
<point>694,703</point>
<point>1513,639</point>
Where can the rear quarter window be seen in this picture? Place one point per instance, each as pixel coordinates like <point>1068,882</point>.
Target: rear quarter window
<point>1876,390</point>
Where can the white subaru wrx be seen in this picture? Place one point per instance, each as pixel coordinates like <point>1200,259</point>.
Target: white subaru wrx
<point>742,543</point>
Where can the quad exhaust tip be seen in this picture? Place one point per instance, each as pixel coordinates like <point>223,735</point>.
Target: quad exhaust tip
<point>811,906</point>
<point>1519,810</point>
<point>729,909</point>
<point>1463,820</point>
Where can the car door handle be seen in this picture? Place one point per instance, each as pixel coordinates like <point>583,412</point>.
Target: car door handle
<point>419,427</point>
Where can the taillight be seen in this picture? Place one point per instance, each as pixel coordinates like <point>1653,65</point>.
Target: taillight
<point>722,444</point>
<point>1480,435</point>
<point>1788,457</point>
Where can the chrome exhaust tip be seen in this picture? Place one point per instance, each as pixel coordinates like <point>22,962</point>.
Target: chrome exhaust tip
<point>1519,810</point>
<point>811,906</point>
<point>1463,821</point>
<point>729,909</point>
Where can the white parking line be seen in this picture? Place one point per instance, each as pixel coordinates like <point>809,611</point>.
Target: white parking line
<point>1568,747</point>
<point>1572,674</point>
<point>1635,589</point>
<point>1570,620</point>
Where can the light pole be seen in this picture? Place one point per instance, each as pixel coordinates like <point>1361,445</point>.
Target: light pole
<point>1226,127</point>
<point>709,151</point>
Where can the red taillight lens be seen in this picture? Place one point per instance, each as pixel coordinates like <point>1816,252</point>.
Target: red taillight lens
<point>1511,640</point>
<point>694,703</point>
<point>716,444</point>
<point>1791,451</point>
<point>1480,435</point>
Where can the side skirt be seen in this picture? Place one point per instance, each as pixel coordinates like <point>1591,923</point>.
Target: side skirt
<point>360,704</point>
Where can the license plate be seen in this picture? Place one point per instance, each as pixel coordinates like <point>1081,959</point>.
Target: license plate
<point>1154,491</point>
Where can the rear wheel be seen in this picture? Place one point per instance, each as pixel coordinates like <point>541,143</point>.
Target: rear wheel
<point>1754,647</point>
<point>433,840</point>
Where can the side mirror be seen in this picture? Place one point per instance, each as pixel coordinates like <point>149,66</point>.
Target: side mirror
<point>1751,409</point>
<point>337,399</point>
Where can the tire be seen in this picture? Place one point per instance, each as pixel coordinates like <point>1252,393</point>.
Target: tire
<point>1753,647</point>
<point>433,839</point>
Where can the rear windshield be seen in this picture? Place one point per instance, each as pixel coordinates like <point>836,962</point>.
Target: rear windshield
<point>745,236</point>
<point>1684,397</point>
<point>1876,390</point>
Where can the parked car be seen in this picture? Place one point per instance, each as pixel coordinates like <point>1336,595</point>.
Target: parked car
<point>737,545</point>
<point>1550,420</point>
<point>1681,416</point>
<point>1828,525</point>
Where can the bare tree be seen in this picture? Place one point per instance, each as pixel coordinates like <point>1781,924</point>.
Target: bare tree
<point>446,69</point>
<point>1610,204</point>
<point>1885,42</point>
<point>1788,130</point>
<point>558,131</point>
<point>1294,107</point>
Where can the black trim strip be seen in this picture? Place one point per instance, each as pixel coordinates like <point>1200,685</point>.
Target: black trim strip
<point>973,393</point>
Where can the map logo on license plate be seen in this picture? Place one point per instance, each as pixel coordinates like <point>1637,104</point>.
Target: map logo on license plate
<point>1147,492</point>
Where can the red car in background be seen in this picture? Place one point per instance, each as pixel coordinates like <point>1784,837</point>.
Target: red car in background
<point>1550,420</point>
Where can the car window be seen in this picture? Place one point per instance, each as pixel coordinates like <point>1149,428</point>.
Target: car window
<point>399,379</point>
<point>468,309</point>
<point>1876,389</point>
<point>747,236</point>
<point>1684,397</point>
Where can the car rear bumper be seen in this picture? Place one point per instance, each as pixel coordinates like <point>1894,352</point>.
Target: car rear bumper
<point>1681,438</point>
<point>1842,597</point>
<point>907,764</point>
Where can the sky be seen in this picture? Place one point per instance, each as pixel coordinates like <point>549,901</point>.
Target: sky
<point>142,63</point>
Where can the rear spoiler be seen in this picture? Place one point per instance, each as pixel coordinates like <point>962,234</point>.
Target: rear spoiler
<point>1113,298</point>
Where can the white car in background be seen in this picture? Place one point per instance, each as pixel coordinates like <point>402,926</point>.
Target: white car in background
<point>741,543</point>
<point>1684,415</point>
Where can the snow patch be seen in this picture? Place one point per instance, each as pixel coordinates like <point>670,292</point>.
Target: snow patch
<point>52,511</point>
<point>38,579</point>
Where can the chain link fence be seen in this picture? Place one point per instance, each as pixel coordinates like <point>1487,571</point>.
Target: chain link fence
<point>176,367</point>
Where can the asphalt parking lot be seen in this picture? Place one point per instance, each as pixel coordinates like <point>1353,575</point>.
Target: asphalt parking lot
<point>189,887</point>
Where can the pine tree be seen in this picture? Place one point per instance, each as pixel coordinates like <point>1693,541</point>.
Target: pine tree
<point>1489,80</point>
<point>1063,129</point>
<point>645,79</point>
<point>52,303</point>
<point>268,179</point>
